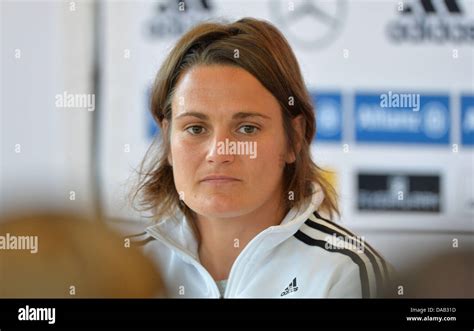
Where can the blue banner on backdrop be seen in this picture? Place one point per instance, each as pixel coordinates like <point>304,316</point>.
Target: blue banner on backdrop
<point>328,107</point>
<point>391,117</point>
<point>467,119</point>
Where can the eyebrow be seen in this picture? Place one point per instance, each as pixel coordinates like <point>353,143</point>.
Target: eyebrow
<point>239,115</point>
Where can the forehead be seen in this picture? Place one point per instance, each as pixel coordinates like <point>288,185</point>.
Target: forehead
<point>222,89</point>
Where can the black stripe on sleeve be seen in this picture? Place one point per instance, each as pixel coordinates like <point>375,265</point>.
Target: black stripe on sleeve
<point>373,261</point>
<point>364,278</point>
<point>382,260</point>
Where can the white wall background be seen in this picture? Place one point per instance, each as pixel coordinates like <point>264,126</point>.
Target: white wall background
<point>46,49</point>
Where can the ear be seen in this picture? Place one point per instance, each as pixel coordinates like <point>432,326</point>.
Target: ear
<point>299,128</point>
<point>164,128</point>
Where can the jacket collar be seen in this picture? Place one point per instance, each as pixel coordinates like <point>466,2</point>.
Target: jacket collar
<point>177,232</point>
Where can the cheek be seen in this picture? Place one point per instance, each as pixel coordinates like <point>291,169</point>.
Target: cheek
<point>269,162</point>
<point>277,151</point>
<point>185,162</point>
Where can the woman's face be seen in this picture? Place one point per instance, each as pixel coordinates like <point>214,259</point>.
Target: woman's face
<point>225,123</point>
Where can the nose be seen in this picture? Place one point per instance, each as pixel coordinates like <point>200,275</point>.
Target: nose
<point>219,151</point>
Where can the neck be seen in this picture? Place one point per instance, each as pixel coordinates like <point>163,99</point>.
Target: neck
<point>222,239</point>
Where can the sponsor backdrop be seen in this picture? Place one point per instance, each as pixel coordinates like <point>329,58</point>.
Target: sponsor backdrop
<point>392,84</point>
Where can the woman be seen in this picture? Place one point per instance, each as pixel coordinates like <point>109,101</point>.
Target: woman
<point>236,196</point>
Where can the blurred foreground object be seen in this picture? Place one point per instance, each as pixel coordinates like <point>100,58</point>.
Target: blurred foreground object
<point>54,255</point>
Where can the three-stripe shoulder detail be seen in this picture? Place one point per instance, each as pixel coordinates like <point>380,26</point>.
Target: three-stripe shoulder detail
<point>373,272</point>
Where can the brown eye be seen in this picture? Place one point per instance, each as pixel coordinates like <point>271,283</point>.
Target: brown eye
<point>195,129</point>
<point>248,129</point>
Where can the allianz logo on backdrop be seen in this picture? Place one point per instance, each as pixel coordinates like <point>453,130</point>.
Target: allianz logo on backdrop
<point>402,117</point>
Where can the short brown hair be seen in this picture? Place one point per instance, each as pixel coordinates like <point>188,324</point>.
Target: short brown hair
<point>263,52</point>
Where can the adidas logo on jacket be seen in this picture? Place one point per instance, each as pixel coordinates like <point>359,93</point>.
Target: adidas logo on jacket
<point>291,288</point>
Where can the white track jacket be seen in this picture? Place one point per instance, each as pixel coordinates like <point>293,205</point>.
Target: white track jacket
<point>305,256</point>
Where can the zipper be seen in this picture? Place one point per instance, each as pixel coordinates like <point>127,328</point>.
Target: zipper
<point>252,245</point>
<point>235,266</point>
<point>189,258</point>
<point>233,274</point>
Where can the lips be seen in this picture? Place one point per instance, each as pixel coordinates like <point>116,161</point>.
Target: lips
<point>219,178</point>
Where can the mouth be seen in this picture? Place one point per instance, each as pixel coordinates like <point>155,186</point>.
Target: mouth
<point>219,180</point>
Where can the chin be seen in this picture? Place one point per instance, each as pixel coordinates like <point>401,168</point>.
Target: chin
<point>220,209</point>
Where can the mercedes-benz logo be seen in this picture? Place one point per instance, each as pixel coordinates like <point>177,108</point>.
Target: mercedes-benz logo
<point>310,23</point>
